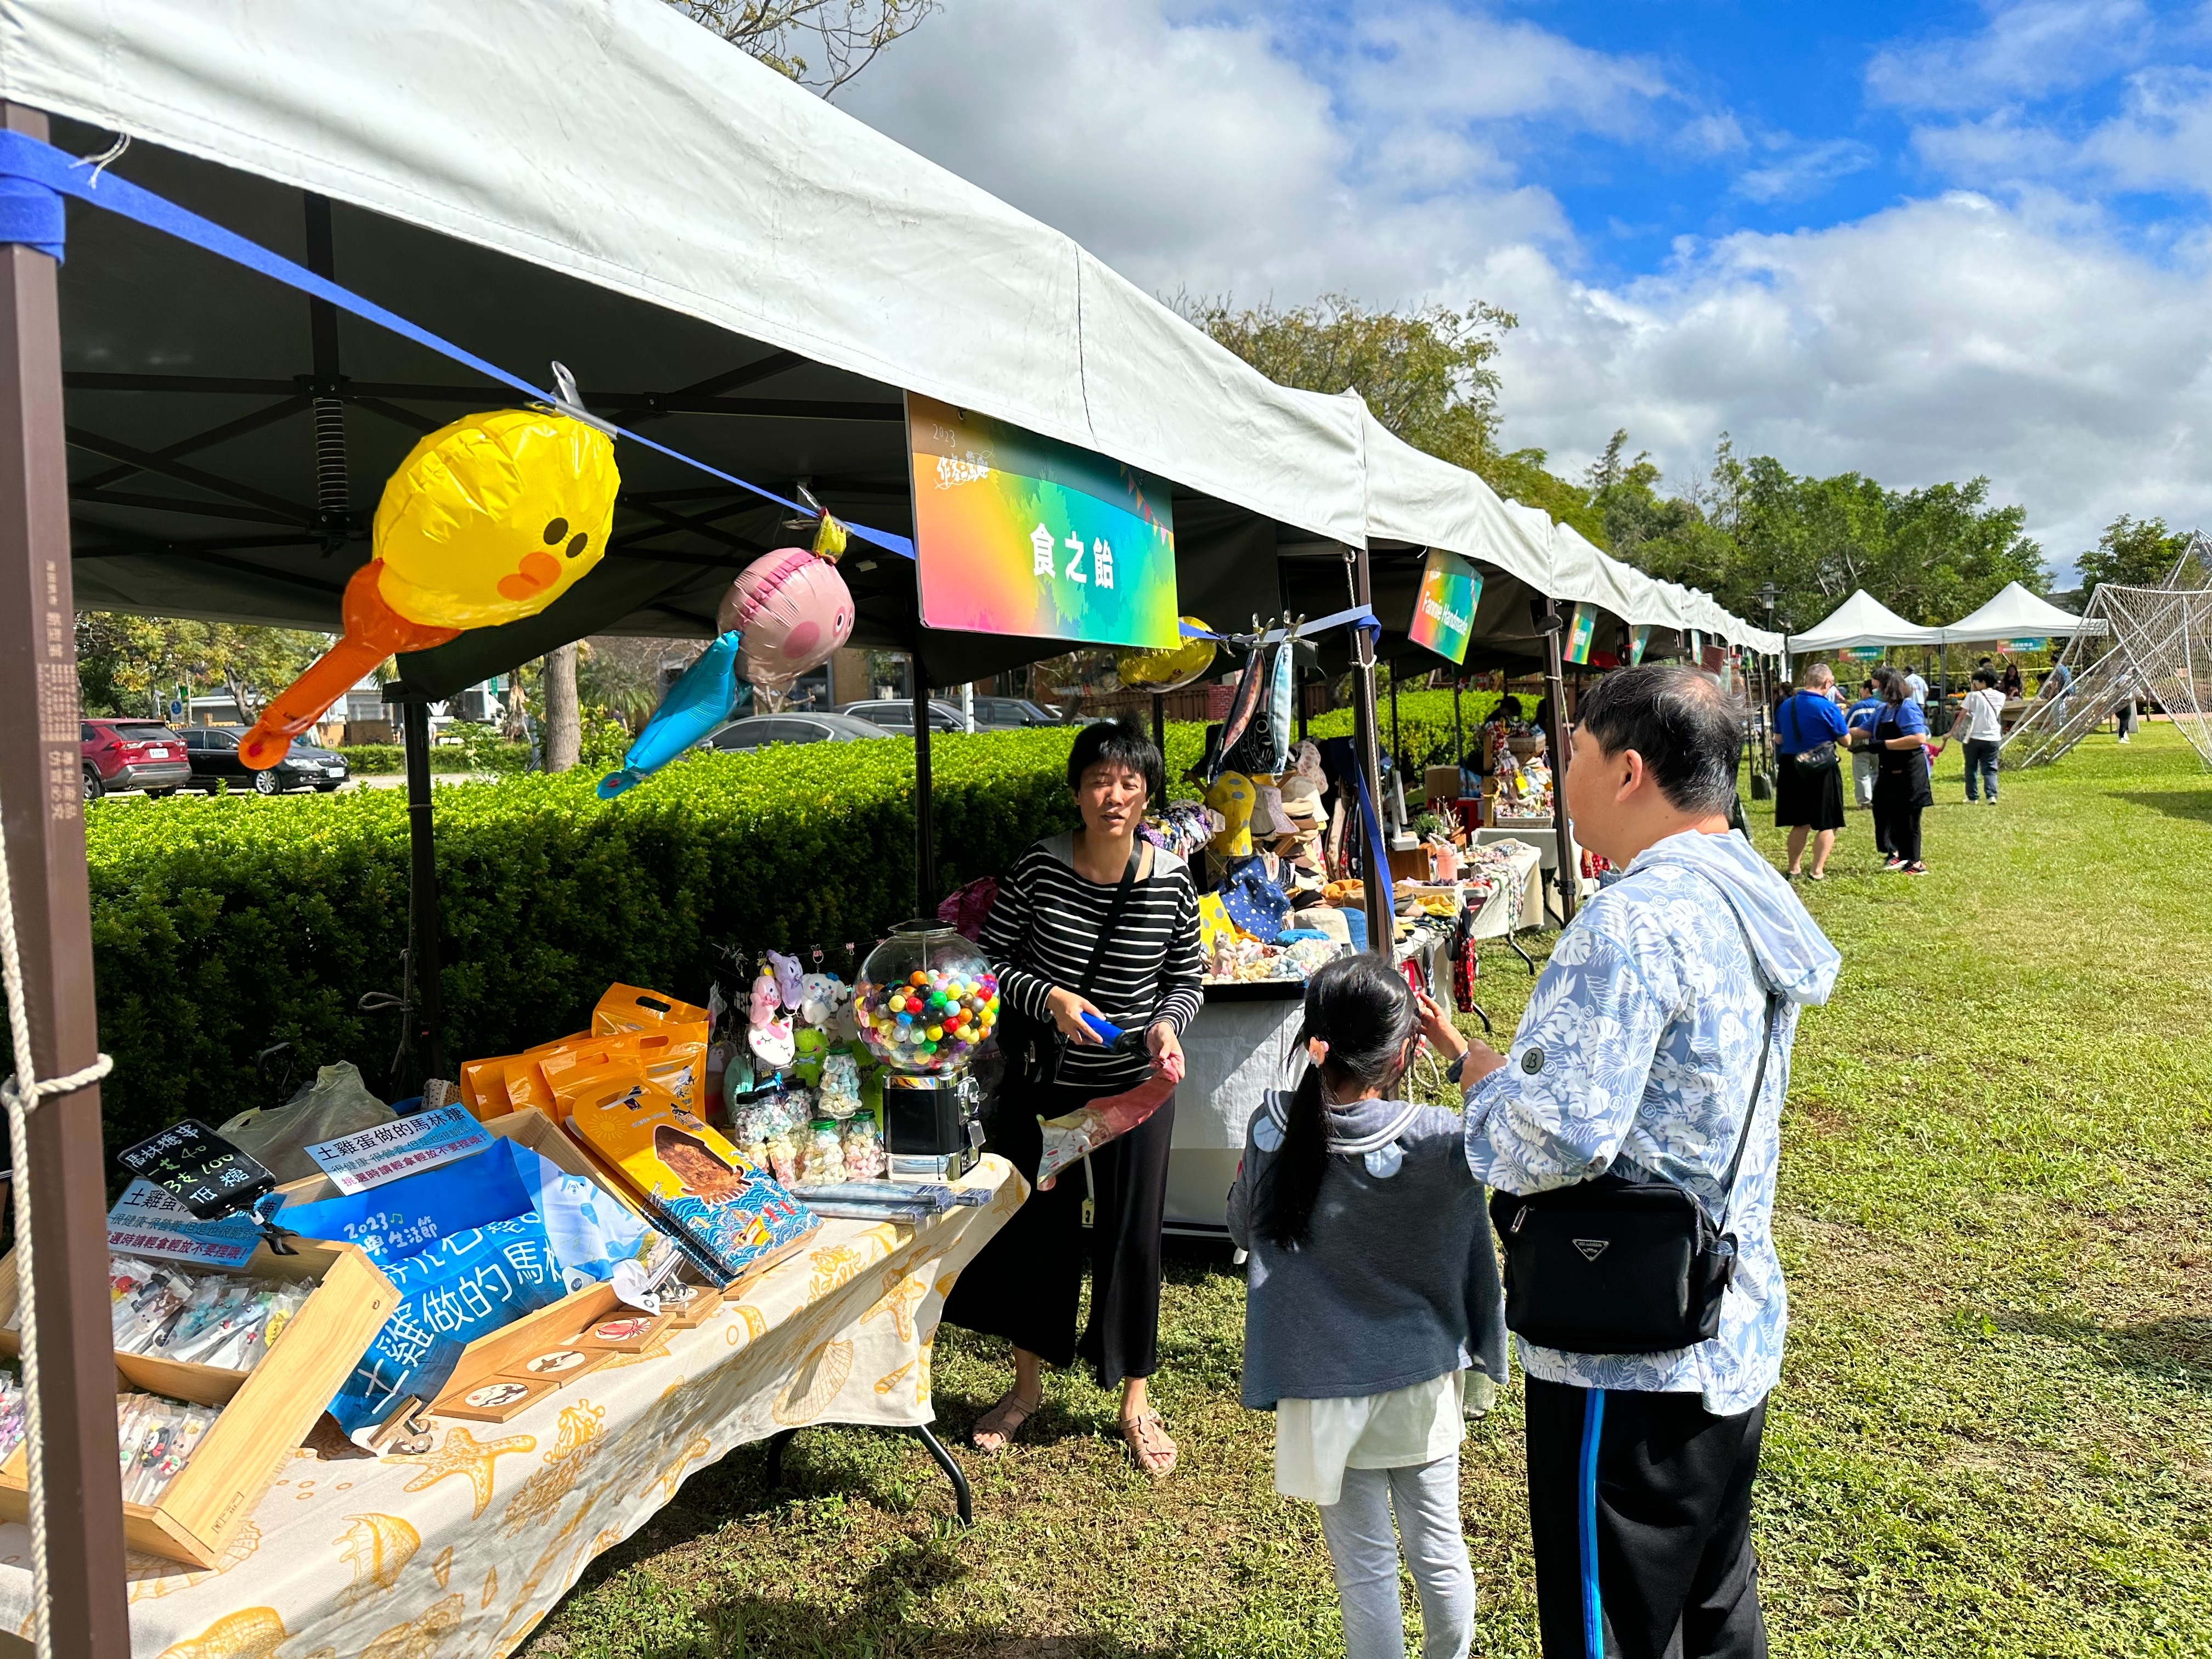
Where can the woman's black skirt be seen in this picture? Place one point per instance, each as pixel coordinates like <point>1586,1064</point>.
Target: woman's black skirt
<point>1811,796</point>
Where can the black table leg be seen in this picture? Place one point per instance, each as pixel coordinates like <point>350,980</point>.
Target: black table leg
<point>1520,953</point>
<point>776,1443</point>
<point>960,1499</point>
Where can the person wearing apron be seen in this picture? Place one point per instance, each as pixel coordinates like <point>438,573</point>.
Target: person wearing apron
<point>1901,784</point>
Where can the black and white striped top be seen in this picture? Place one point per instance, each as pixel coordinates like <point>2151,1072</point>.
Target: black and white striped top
<point>1045,924</point>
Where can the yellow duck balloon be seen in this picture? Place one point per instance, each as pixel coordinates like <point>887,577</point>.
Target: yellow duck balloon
<point>487,520</point>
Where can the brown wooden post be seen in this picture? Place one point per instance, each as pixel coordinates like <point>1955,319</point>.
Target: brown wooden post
<point>41,788</point>
<point>1381,924</point>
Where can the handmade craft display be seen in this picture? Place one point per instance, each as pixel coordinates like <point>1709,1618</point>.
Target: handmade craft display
<point>487,520</point>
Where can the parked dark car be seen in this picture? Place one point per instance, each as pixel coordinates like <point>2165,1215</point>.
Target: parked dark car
<point>1012,714</point>
<point>896,714</point>
<point>758,731</point>
<point>214,753</point>
<point>133,755</point>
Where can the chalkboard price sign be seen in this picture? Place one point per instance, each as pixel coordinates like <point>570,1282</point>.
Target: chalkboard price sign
<point>199,1169</point>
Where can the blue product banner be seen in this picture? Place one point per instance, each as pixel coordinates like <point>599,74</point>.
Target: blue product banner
<point>412,1214</point>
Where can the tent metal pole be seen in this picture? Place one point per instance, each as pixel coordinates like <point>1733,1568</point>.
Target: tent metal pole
<point>1459,733</point>
<point>86,1608</point>
<point>1568,876</point>
<point>1160,743</point>
<point>924,828</point>
<point>425,956</point>
<point>1381,927</point>
<point>1397,748</point>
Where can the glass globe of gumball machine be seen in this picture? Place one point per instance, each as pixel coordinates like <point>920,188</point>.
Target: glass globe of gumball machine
<point>926,1002</point>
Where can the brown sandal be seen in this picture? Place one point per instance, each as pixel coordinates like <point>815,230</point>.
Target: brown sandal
<point>1003,1422</point>
<point>1150,1449</point>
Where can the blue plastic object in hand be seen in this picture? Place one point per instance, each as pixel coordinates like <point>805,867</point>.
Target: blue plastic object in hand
<point>1104,1030</point>
<point>694,706</point>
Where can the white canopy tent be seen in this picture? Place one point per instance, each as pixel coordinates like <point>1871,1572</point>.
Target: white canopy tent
<point>1860,622</point>
<point>2014,614</point>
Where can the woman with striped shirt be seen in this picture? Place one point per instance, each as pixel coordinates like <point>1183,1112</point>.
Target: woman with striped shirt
<point>1049,922</point>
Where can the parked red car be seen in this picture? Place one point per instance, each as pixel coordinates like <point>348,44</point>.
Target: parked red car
<point>133,755</point>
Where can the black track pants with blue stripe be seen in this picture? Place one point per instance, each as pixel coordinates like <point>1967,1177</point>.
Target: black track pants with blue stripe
<point>1640,1505</point>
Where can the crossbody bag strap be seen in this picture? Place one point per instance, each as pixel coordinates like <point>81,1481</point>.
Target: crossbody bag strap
<point>1121,902</point>
<point>1751,1111</point>
<point>1759,1072</point>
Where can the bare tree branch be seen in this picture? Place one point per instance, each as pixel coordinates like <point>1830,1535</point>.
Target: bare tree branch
<point>820,44</point>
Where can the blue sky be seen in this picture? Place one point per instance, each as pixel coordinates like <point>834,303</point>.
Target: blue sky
<point>1921,242</point>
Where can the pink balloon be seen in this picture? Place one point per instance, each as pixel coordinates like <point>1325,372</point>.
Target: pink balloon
<point>793,609</point>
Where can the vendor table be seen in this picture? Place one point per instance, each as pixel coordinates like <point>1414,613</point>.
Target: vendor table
<point>1233,1053</point>
<point>463,1549</point>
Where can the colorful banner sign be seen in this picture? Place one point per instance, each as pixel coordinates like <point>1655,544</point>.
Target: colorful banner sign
<point>369,1158</point>
<point>1019,534</point>
<point>1639,640</point>
<point>1863,652</point>
<point>1577,648</point>
<point>2026,645</point>
<point>1444,615</point>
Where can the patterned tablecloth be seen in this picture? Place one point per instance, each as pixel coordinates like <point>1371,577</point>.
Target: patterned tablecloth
<point>456,1553</point>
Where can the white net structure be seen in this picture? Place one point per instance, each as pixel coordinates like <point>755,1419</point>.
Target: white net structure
<point>2153,642</point>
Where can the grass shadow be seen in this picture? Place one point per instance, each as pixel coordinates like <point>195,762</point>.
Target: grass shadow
<point>2179,1346</point>
<point>2193,804</point>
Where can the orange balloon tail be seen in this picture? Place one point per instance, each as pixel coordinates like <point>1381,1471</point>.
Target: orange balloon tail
<point>374,631</point>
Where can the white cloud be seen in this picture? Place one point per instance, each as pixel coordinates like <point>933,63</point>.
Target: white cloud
<point>2028,49</point>
<point>1805,170</point>
<point>1936,339</point>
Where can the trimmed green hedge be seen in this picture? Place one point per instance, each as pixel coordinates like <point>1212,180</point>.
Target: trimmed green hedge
<point>223,925</point>
<point>389,759</point>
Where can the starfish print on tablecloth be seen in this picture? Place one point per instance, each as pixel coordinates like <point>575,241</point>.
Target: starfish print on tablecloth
<point>462,1453</point>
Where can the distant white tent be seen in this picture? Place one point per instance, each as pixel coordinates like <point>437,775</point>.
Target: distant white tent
<point>1859,622</point>
<point>2014,614</point>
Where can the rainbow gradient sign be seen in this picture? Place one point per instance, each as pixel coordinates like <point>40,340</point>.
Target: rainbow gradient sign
<point>1444,615</point>
<point>1019,534</point>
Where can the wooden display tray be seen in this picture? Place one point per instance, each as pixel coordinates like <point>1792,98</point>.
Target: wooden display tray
<point>266,1411</point>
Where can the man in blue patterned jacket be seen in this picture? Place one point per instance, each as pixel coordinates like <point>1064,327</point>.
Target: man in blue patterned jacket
<point>1638,1052</point>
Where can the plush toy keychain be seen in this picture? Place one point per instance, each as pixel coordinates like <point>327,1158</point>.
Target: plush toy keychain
<point>783,615</point>
<point>487,520</point>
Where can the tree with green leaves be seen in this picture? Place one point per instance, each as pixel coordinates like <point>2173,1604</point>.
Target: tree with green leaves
<point>1429,375</point>
<point>2131,553</point>
<point>130,665</point>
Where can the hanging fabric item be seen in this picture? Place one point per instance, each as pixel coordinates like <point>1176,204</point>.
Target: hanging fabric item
<point>1243,705</point>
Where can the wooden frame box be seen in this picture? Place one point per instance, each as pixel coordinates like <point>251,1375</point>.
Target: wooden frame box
<point>266,1411</point>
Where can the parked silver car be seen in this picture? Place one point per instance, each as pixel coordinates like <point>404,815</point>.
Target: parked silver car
<point>759,731</point>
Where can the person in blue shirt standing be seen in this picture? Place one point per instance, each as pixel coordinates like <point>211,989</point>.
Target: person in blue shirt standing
<point>1640,1053</point>
<point>1861,718</point>
<point>1808,785</point>
<point>1901,785</point>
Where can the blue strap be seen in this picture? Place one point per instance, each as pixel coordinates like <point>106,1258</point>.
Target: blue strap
<point>34,176</point>
<point>1361,616</point>
<point>1379,854</point>
<point>1586,1523</point>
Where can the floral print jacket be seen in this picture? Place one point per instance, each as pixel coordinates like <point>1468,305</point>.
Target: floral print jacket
<point>1639,1044</point>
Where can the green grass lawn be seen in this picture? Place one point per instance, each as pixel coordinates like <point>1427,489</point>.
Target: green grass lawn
<point>1991,1436</point>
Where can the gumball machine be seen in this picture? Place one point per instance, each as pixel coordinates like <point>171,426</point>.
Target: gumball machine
<point>926,1002</point>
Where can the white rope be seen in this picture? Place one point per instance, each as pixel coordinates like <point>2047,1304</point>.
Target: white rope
<point>19,1142</point>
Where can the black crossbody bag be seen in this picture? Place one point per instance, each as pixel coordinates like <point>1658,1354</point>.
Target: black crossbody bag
<point>1615,1265</point>
<point>1033,1047</point>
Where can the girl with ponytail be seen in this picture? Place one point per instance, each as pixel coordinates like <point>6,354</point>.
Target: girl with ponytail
<point>1373,1291</point>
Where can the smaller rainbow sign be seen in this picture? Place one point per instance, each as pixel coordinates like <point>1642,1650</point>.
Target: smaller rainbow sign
<point>1639,639</point>
<point>1579,632</point>
<point>1444,615</point>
